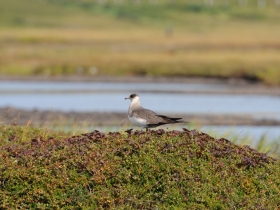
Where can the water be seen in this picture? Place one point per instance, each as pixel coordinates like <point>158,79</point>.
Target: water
<point>110,97</point>
<point>237,133</point>
<point>74,96</point>
<point>267,107</point>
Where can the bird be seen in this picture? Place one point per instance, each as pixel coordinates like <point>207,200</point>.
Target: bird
<point>146,118</point>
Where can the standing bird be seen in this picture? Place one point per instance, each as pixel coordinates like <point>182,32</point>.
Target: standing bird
<point>146,118</point>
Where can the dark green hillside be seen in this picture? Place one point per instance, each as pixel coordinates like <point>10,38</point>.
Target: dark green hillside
<point>135,170</point>
<point>62,13</point>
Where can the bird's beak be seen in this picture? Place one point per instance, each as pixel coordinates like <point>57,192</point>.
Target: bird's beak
<point>126,98</point>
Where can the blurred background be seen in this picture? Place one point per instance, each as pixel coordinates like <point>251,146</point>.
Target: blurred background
<point>69,64</point>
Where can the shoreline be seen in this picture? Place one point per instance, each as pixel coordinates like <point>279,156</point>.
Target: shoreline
<point>236,86</point>
<point>9,115</point>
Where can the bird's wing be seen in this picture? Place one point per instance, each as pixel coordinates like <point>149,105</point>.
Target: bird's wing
<point>150,116</point>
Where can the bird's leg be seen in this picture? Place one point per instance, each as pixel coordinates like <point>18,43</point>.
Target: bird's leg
<point>129,130</point>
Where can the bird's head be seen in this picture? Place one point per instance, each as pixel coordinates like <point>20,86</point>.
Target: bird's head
<point>133,97</point>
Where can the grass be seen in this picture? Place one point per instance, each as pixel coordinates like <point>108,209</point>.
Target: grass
<point>53,38</point>
<point>40,169</point>
<point>262,144</point>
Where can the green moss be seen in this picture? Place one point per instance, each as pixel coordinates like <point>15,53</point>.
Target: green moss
<point>136,170</point>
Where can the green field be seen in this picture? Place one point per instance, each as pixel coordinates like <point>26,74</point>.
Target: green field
<point>42,169</point>
<point>165,39</point>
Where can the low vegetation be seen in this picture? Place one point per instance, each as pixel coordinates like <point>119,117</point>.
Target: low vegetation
<point>53,38</point>
<point>40,169</point>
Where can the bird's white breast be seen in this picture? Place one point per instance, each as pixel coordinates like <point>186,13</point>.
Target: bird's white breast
<point>138,121</point>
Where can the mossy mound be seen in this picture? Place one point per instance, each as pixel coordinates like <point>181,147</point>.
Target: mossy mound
<point>135,170</point>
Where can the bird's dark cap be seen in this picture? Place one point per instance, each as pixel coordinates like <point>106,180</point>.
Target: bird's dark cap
<point>133,95</point>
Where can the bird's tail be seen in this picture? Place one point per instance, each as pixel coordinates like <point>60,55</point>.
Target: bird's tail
<point>172,119</point>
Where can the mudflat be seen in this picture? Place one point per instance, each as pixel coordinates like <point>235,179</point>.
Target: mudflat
<point>10,115</point>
